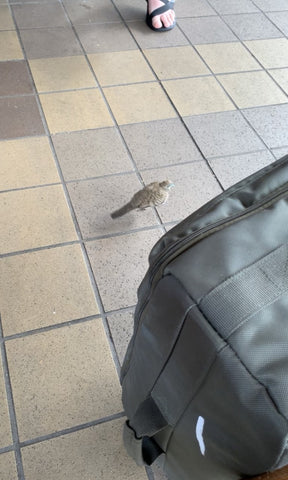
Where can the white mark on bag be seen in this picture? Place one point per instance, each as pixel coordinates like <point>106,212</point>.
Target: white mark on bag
<point>199,434</point>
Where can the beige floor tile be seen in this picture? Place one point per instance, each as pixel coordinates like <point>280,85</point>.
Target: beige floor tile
<point>71,111</point>
<point>271,53</point>
<point>114,68</point>
<point>26,162</point>
<point>194,96</point>
<point>10,48</point>
<point>6,437</point>
<point>119,264</point>
<point>176,62</point>
<point>61,73</point>
<point>95,453</point>
<point>34,218</point>
<point>139,103</point>
<point>252,89</point>
<point>6,20</point>
<point>281,77</point>
<point>44,288</point>
<point>62,378</point>
<point>8,466</point>
<point>227,57</point>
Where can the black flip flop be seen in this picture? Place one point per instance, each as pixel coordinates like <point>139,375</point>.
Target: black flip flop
<point>169,5</point>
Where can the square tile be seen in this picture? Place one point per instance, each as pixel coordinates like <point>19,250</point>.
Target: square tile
<point>61,73</point>
<point>252,26</point>
<point>280,19</point>
<point>271,5</point>
<point>193,8</point>
<point>50,42</point>
<point>45,288</point>
<point>114,68</point>
<point>131,10</point>
<point>107,37</point>
<point>206,30</point>
<point>280,152</point>
<point>121,328</point>
<point>91,11</point>
<point>119,264</point>
<point>95,200</point>
<point>270,53</point>
<point>62,378</point>
<point>233,6</point>
<point>227,57</point>
<point>139,103</point>
<point>15,78</point>
<point>8,466</point>
<point>176,62</point>
<point>195,96</point>
<point>96,452</point>
<point>78,110</point>
<point>29,221</point>
<point>6,20</point>
<point>252,89</point>
<point>26,162</point>
<point>146,38</point>
<point>230,170</point>
<point>20,117</point>
<point>221,134</point>
<point>6,437</point>
<point>91,153</point>
<point>10,48</point>
<point>281,77</point>
<point>194,186</point>
<point>39,15</point>
<point>155,144</point>
<point>270,123</point>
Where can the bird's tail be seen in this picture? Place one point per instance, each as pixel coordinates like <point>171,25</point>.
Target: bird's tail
<point>122,211</point>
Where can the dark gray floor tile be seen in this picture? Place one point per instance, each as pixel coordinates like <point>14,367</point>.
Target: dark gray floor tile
<point>233,6</point>
<point>224,133</point>
<point>135,10</point>
<point>121,327</point>
<point>15,78</point>
<point>252,26</point>
<point>194,186</point>
<point>281,20</point>
<point>206,30</point>
<point>108,37</point>
<point>94,11</point>
<point>40,15</point>
<point>50,42</point>
<point>94,200</point>
<point>119,265</point>
<point>270,123</point>
<point>20,117</point>
<point>91,153</point>
<point>149,39</point>
<point>159,143</point>
<point>230,170</point>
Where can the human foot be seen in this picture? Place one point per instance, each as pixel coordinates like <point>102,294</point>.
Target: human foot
<point>160,15</point>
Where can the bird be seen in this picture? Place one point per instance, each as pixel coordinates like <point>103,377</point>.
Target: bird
<point>152,195</point>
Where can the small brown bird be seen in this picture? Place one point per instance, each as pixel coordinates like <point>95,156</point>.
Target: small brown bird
<point>151,195</point>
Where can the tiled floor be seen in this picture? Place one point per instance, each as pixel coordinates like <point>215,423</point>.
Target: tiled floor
<point>92,106</point>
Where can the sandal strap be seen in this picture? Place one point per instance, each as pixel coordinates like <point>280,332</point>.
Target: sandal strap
<point>169,5</point>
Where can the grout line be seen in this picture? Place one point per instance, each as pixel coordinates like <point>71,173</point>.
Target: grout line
<point>67,431</point>
<point>11,407</point>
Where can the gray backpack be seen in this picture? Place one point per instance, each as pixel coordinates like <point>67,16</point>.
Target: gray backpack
<point>205,377</point>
